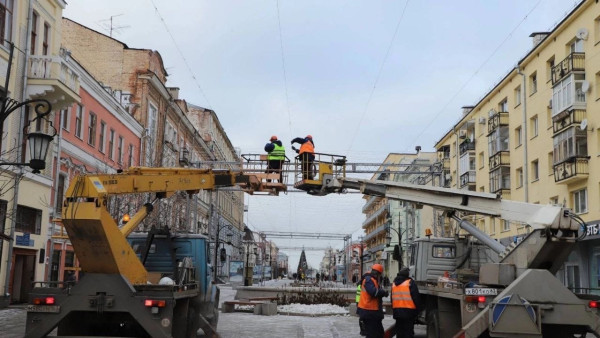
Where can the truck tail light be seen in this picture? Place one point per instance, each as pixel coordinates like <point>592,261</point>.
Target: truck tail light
<point>593,304</point>
<point>154,303</point>
<point>44,301</point>
<point>471,299</point>
<point>481,299</point>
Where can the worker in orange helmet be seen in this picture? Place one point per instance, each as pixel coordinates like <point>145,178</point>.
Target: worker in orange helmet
<point>370,310</point>
<point>275,157</point>
<point>306,154</point>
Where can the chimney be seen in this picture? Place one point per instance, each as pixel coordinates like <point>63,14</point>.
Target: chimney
<point>538,37</point>
<point>174,91</point>
<point>466,110</point>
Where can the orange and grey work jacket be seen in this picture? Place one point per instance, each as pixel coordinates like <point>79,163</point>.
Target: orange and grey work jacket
<point>307,147</point>
<point>401,298</point>
<point>368,302</point>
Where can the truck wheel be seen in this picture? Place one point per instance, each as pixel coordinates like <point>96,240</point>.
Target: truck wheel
<point>433,324</point>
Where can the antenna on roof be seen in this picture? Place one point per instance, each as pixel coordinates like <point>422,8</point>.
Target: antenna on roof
<point>109,26</point>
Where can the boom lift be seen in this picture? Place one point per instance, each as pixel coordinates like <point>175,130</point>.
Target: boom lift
<point>515,291</point>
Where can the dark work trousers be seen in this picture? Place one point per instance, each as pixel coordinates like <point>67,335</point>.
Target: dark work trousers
<point>405,327</point>
<point>274,166</point>
<point>373,327</point>
<point>307,162</point>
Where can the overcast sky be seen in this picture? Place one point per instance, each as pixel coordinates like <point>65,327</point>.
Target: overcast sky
<point>364,78</point>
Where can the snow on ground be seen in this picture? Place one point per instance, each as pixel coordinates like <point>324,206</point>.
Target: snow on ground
<point>320,309</point>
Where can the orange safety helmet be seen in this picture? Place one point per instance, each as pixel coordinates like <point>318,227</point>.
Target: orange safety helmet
<point>309,137</point>
<point>273,138</point>
<point>377,267</point>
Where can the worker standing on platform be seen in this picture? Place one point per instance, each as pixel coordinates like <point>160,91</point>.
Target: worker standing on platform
<point>275,157</point>
<point>370,308</point>
<point>307,155</point>
<point>406,304</point>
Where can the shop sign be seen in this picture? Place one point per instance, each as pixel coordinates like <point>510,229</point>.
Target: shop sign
<point>593,229</point>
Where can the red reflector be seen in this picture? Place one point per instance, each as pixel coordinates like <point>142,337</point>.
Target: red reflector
<point>49,300</point>
<point>593,304</point>
<point>148,302</point>
<point>37,301</point>
<point>161,303</point>
<point>471,299</point>
<point>481,299</point>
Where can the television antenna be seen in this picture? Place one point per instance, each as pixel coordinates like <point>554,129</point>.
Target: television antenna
<point>109,25</point>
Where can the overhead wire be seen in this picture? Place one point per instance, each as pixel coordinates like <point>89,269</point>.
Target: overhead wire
<point>187,65</point>
<point>387,53</point>
<point>285,86</point>
<point>464,85</point>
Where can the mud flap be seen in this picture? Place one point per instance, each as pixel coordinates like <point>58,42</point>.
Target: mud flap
<point>390,331</point>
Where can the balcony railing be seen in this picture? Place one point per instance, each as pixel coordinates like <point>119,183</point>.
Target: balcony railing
<point>376,232</point>
<point>381,211</point>
<point>499,159</point>
<point>497,120</point>
<point>53,68</point>
<point>567,119</point>
<point>467,178</point>
<point>466,145</point>
<point>573,62</point>
<point>573,169</point>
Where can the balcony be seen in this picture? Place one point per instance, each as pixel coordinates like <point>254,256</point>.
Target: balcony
<point>572,170</point>
<point>567,119</point>
<point>466,146</point>
<point>467,178</point>
<point>376,232</point>
<point>501,158</point>
<point>497,120</point>
<point>573,62</point>
<point>52,78</point>
<point>381,211</point>
<point>369,203</point>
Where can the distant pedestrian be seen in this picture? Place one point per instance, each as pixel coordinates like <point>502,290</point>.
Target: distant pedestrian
<point>406,304</point>
<point>306,154</point>
<point>370,309</point>
<point>275,157</point>
<point>386,281</point>
<point>354,279</point>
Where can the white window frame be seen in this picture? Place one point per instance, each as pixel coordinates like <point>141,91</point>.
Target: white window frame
<point>535,170</point>
<point>66,121</point>
<point>102,136</point>
<point>534,123</point>
<point>580,201</point>
<point>79,123</point>
<point>568,93</point>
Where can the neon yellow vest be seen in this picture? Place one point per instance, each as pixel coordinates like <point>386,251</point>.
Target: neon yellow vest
<point>278,153</point>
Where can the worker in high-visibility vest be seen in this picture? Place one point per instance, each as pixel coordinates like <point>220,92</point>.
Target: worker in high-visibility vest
<point>275,157</point>
<point>307,155</point>
<point>358,291</point>
<point>370,310</point>
<point>406,304</point>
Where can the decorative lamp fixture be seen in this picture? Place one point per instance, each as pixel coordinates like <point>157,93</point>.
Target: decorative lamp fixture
<point>126,218</point>
<point>229,236</point>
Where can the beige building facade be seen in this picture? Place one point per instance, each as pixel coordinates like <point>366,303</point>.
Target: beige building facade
<point>534,137</point>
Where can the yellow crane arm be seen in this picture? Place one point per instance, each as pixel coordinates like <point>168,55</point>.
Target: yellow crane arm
<point>99,244</point>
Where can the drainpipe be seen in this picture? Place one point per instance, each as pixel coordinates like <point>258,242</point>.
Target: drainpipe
<point>525,140</point>
<point>19,174</point>
<point>55,184</point>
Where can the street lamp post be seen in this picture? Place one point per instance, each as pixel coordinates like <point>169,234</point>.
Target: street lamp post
<point>388,240</point>
<point>217,242</point>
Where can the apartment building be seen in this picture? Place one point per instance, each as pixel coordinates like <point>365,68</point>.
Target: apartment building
<point>97,135</point>
<point>38,70</point>
<point>534,137</point>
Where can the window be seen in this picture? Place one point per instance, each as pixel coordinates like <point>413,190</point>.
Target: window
<point>102,136</point>
<point>597,31</point>
<point>553,200</point>
<point>570,143</point>
<point>572,279</point>
<point>60,188</point>
<point>505,225</point>
<point>498,141</point>
<point>568,93</point>
<point>533,83</point>
<point>120,150</point>
<point>597,86</point>
<point>78,120</point>
<point>444,251</point>
<point>29,220</point>
<point>46,37</point>
<point>580,201</point>
<point>500,179</point>
<point>111,143</point>
<point>130,159</point>
<point>492,225</point>
<point>549,65</point>
<point>535,170</point>
<point>519,177</point>
<point>92,130</point>
<point>517,96</point>
<point>576,46</point>
<point>151,126</point>
<point>503,106</point>
<point>481,160</point>
<point>65,120</point>
<point>34,23</point>
<point>533,126</point>
<point>6,19</point>
<point>518,137</point>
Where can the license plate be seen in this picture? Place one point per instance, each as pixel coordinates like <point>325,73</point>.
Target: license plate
<point>44,308</point>
<point>481,292</point>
